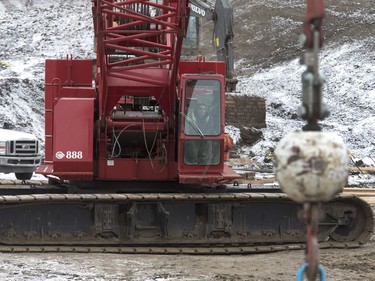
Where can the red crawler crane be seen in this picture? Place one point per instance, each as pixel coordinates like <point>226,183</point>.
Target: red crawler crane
<point>133,124</point>
<point>139,147</point>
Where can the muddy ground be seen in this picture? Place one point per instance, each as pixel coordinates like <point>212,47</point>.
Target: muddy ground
<point>340,265</point>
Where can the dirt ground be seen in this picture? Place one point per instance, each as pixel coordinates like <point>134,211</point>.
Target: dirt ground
<point>354,265</point>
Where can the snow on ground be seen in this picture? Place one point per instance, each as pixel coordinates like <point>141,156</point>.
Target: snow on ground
<point>349,93</point>
<point>12,177</point>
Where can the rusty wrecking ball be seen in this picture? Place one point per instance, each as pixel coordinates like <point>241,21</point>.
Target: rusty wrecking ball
<point>312,166</point>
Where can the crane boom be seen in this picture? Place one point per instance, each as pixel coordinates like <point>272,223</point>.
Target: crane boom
<point>138,46</point>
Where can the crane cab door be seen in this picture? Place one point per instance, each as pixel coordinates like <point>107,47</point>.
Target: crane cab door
<point>201,129</point>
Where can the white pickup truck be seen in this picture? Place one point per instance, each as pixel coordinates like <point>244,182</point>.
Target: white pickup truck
<point>19,153</point>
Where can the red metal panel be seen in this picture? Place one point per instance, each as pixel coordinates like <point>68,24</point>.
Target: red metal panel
<point>79,92</point>
<point>136,169</point>
<point>49,96</point>
<point>201,67</point>
<point>48,119</point>
<point>69,72</point>
<point>73,137</point>
<point>57,74</point>
<point>48,147</point>
<point>48,122</point>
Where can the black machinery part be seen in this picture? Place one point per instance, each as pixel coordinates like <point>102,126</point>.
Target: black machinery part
<point>192,223</point>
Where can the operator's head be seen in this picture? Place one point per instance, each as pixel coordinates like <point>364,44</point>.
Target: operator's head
<point>202,109</point>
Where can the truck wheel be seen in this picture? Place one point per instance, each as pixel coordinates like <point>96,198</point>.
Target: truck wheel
<point>24,176</point>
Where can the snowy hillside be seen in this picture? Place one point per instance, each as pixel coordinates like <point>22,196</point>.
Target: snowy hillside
<point>349,94</point>
<point>33,30</point>
<point>29,35</point>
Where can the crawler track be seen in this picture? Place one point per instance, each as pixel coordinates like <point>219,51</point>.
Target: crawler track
<point>174,223</point>
<point>187,250</point>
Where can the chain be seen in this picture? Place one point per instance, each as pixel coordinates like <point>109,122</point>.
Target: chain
<point>312,214</point>
<point>312,108</point>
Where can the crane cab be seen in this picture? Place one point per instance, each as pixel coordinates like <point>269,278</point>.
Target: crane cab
<point>201,130</point>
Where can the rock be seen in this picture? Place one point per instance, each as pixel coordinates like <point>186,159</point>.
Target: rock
<point>250,136</point>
